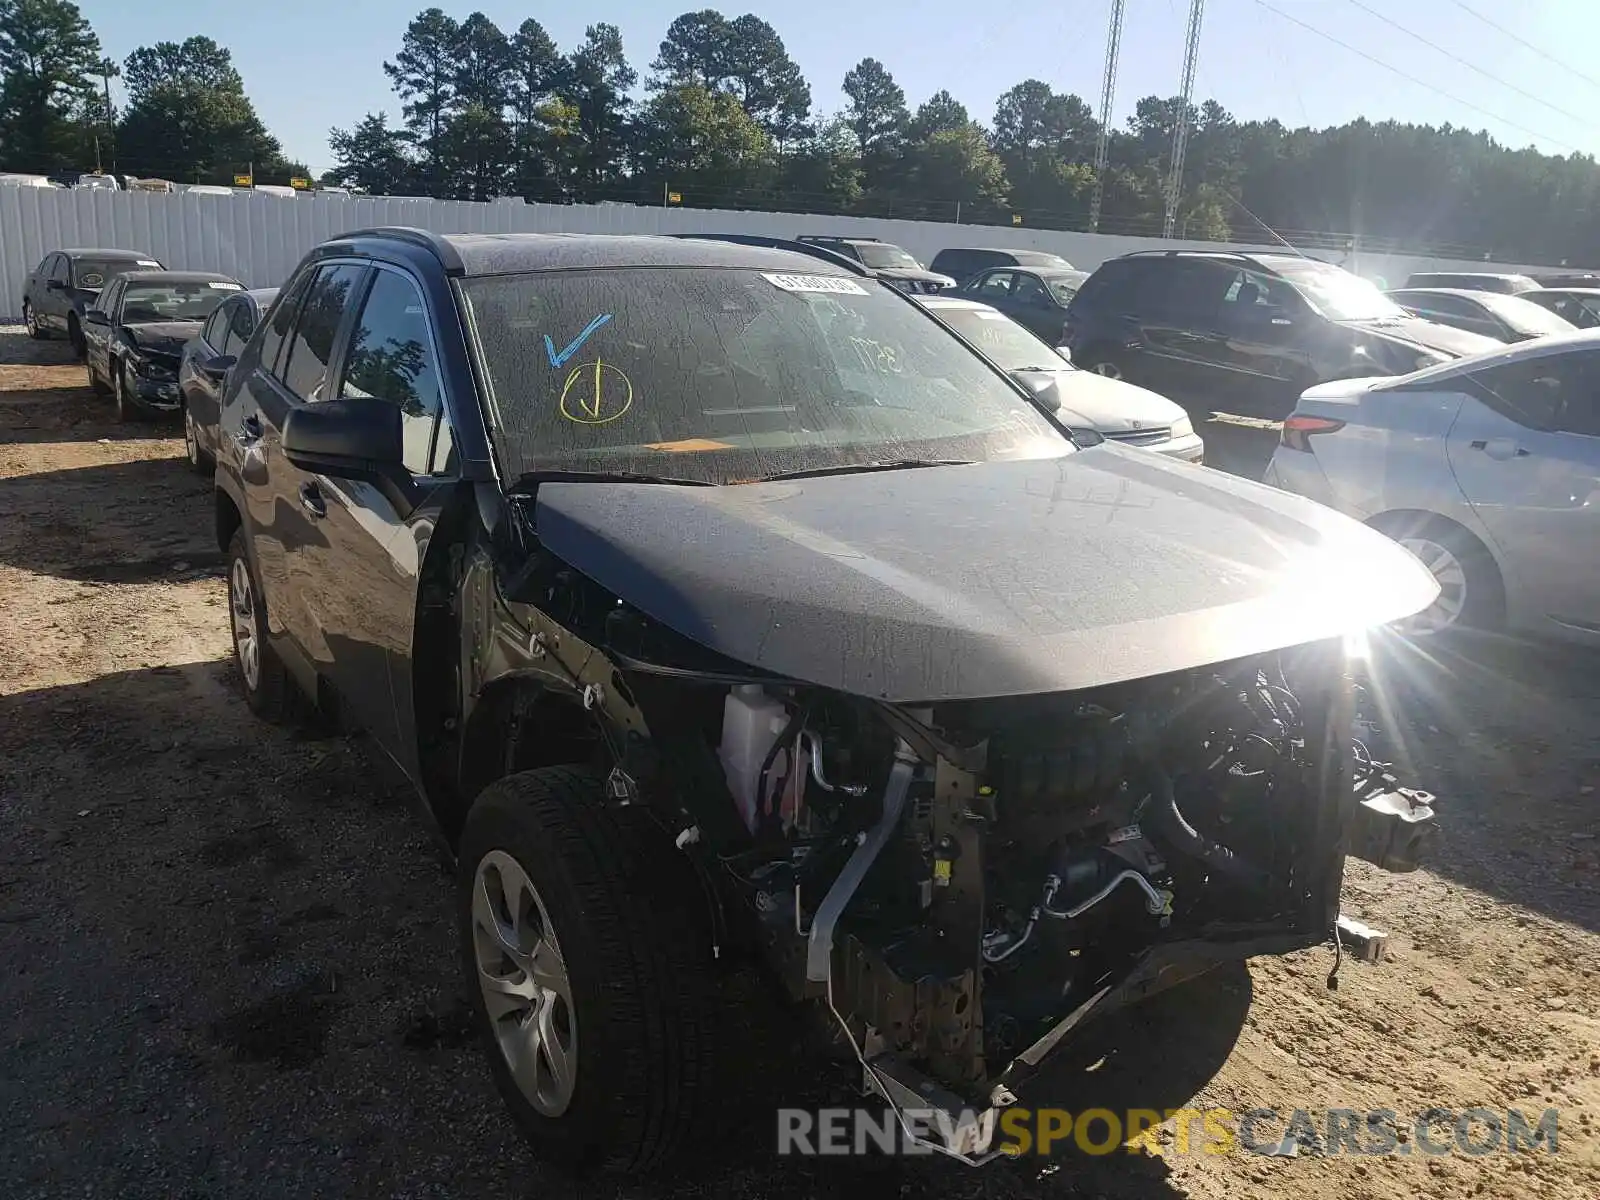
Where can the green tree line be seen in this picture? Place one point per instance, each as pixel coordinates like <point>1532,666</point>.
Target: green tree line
<point>722,117</point>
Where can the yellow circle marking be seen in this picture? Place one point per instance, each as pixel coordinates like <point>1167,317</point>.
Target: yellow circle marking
<point>596,393</point>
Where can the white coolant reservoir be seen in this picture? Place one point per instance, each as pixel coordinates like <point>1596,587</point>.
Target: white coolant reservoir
<point>752,721</point>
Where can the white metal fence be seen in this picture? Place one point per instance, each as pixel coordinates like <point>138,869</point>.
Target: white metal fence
<point>259,238</point>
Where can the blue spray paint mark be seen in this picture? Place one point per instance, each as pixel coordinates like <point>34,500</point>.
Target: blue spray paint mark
<point>576,344</point>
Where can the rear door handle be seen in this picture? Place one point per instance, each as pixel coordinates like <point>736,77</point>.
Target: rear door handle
<point>311,500</point>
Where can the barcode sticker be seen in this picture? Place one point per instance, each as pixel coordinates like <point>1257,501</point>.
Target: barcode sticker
<point>815,283</point>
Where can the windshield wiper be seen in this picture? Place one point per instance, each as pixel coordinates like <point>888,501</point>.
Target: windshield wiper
<point>893,464</point>
<point>533,478</point>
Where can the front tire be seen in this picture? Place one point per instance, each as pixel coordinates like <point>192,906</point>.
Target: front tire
<point>1100,361</point>
<point>119,392</point>
<point>589,968</point>
<point>268,690</point>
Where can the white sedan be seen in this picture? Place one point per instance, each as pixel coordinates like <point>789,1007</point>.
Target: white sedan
<point>1117,411</point>
<point>1487,468</point>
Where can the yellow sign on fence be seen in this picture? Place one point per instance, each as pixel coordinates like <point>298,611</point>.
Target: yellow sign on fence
<point>674,198</point>
<point>243,181</point>
<point>1016,218</point>
<point>299,184</point>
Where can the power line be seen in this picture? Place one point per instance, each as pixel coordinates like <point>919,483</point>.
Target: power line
<point>1525,43</point>
<point>1471,66</point>
<point>1413,79</point>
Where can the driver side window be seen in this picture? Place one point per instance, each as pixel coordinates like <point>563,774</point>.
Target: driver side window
<point>1029,290</point>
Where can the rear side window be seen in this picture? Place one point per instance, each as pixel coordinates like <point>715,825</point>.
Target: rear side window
<point>283,316</point>
<point>58,268</point>
<point>310,351</point>
<point>996,285</point>
<point>241,324</point>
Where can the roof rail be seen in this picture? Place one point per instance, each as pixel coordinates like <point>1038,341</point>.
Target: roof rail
<point>1174,253</point>
<point>755,239</point>
<point>837,237</point>
<point>425,239</point>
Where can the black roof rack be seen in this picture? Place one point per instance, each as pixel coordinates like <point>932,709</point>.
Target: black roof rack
<point>436,244</point>
<point>797,247</point>
<point>836,237</point>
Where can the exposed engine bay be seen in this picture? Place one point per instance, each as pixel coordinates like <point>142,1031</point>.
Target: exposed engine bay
<point>963,884</point>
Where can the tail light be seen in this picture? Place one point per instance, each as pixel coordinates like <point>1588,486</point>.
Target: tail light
<point>1297,430</point>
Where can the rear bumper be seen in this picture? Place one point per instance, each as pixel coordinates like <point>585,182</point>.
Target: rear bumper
<point>1299,472</point>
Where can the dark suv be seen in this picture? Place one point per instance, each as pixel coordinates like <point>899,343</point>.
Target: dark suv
<point>1248,330</point>
<point>719,601</point>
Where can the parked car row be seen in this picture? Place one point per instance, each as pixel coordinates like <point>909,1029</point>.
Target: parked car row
<point>951,268</point>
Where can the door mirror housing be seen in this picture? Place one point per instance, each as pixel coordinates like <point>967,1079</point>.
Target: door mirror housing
<point>356,438</point>
<point>96,316</point>
<point>217,367</point>
<point>353,438</point>
<point>1041,385</point>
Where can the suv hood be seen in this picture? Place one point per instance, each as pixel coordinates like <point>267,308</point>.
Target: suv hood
<point>1108,405</point>
<point>994,579</point>
<point>1414,331</point>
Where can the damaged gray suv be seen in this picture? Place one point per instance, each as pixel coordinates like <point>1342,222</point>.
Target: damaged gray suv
<point>720,602</point>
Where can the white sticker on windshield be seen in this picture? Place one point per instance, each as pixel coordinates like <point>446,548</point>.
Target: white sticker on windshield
<point>815,283</point>
<point>991,316</point>
<point>224,287</point>
<point>147,262</point>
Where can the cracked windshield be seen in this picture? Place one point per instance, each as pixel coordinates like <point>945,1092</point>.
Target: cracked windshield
<point>638,597</point>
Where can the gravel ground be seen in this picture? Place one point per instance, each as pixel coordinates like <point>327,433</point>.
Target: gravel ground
<point>227,966</point>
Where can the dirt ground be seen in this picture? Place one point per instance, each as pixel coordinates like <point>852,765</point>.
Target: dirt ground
<point>227,966</point>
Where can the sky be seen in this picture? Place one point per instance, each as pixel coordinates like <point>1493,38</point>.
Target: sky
<point>309,65</point>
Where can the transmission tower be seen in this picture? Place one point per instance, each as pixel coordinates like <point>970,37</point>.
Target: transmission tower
<point>1108,89</point>
<point>1180,135</point>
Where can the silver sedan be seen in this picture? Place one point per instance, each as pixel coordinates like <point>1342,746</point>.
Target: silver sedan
<point>1487,468</point>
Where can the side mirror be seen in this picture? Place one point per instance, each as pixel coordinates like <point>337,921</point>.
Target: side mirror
<point>357,438</point>
<point>55,285</point>
<point>96,316</point>
<point>354,438</point>
<point>217,367</point>
<point>1041,385</point>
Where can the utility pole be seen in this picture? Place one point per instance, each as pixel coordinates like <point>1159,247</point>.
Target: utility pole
<point>1180,135</point>
<point>1108,89</point>
<point>108,71</point>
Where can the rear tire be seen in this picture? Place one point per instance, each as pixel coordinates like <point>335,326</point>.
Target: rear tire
<point>616,907</point>
<point>1100,361</point>
<point>268,690</point>
<point>1471,592</point>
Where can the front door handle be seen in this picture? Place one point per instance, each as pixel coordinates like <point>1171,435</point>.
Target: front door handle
<point>311,500</point>
<point>1500,448</point>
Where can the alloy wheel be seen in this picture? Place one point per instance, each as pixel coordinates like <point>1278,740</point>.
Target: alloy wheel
<point>1107,369</point>
<point>31,321</point>
<point>246,627</point>
<point>1451,576</point>
<point>191,440</point>
<point>526,990</point>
